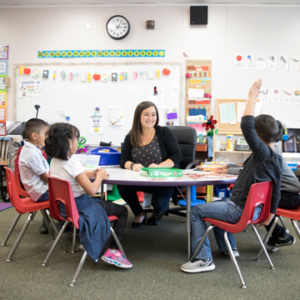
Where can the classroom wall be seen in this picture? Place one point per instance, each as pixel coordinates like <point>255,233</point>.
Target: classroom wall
<point>254,30</point>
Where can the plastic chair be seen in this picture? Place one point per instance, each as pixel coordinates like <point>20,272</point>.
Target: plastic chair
<point>61,191</point>
<point>22,206</point>
<point>292,214</point>
<point>259,193</point>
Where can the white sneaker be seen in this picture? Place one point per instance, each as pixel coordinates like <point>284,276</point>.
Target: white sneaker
<point>81,248</point>
<point>235,252</point>
<point>201,265</point>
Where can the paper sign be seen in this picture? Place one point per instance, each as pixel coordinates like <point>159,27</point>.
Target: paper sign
<point>2,114</point>
<point>283,62</point>
<point>294,62</point>
<point>3,67</point>
<point>3,99</point>
<point>261,62</point>
<point>238,61</point>
<point>194,81</point>
<point>197,112</point>
<point>249,61</point>
<point>2,129</point>
<point>115,115</point>
<point>2,83</point>
<point>275,96</point>
<point>4,52</point>
<point>227,112</point>
<point>198,127</point>
<point>156,95</point>
<point>286,96</point>
<point>272,62</point>
<point>264,95</point>
<point>96,124</point>
<point>232,122</point>
<point>195,93</point>
<point>296,96</point>
<point>241,106</point>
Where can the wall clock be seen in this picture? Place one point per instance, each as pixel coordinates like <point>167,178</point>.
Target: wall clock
<point>117,27</point>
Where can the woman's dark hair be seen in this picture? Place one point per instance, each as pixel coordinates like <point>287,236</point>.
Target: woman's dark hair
<point>57,141</point>
<point>136,130</point>
<point>268,129</point>
<point>33,125</point>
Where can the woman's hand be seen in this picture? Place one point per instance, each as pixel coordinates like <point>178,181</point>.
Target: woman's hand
<point>154,166</point>
<point>136,167</point>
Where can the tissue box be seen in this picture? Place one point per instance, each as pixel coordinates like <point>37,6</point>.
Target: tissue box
<point>160,172</point>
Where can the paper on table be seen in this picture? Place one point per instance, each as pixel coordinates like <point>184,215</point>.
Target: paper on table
<point>196,93</point>
<point>227,112</point>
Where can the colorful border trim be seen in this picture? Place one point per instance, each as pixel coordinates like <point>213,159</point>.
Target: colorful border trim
<point>100,53</point>
<point>108,64</point>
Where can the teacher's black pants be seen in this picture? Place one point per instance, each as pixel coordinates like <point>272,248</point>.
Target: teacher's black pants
<point>160,197</point>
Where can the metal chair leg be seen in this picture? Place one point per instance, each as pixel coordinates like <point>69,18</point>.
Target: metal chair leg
<point>233,259</point>
<point>16,244</point>
<point>83,258</point>
<point>202,241</point>
<point>263,246</point>
<point>296,227</point>
<point>74,240</point>
<point>283,224</point>
<point>55,243</point>
<point>118,242</point>
<point>12,227</point>
<point>267,237</point>
<point>46,222</point>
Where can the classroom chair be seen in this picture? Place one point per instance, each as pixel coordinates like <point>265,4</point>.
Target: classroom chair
<point>22,206</point>
<point>259,194</point>
<point>61,191</point>
<point>292,214</point>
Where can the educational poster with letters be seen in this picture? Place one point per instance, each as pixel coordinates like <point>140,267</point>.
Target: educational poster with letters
<point>250,61</point>
<point>261,62</point>
<point>4,52</point>
<point>72,90</point>
<point>275,96</point>
<point>286,96</point>
<point>239,62</point>
<point>272,62</point>
<point>283,63</point>
<point>294,62</point>
<point>296,96</point>
<point>264,95</point>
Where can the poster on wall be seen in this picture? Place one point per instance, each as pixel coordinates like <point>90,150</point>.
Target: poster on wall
<point>272,62</point>
<point>264,95</point>
<point>115,115</point>
<point>3,67</point>
<point>296,96</point>
<point>4,52</point>
<point>2,83</point>
<point>3,99</point>
<point>261,62</point>
<point>238,61</point>
<point>249,61</point>
<point>96,124</point>
<point>283,63</point>
<point>30,88</point>
<point>294,62</point>
<point>286,96</point>
<point>275,96</point>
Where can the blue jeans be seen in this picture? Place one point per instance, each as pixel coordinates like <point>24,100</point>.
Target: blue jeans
<point>44,197</point>
<point>223,210</point>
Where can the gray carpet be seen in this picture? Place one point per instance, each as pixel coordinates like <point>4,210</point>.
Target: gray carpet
<point>156,254</point>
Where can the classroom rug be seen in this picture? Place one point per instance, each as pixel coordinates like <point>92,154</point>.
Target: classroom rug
<point>4,206</point>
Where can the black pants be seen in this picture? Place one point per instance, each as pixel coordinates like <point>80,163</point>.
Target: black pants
<point>288,201</point>
<point>160,197</point>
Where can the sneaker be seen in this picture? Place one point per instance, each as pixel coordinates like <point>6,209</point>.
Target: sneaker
<point>287,240</point>
<point>234,250</point>
<point>197,266</point>
<point>81,248</point>
<point>43,228</point>
<point>115,257</point>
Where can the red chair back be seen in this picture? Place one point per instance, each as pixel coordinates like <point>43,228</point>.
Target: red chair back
<point>20,189</point>
<point>61,191</point>
<point>259,193</point>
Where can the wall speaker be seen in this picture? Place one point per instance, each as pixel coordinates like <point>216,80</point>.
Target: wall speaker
<point>198,15</point>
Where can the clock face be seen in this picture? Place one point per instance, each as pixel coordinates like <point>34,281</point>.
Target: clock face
<point>117,27</point>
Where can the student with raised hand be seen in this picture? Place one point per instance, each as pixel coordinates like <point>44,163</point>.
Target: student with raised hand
<point>262,165</point>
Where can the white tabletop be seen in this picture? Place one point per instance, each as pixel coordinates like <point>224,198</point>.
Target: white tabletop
<point>189,178</point>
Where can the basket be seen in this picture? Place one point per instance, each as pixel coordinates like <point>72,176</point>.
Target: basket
<point>107,158</point>
<point>89,162</point>
<point>221,191</point>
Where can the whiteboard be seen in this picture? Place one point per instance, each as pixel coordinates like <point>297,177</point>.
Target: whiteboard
<point>79,99</point>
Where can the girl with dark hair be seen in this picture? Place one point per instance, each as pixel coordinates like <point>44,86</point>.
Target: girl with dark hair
<point>148,145</point>
<point>61,144</point>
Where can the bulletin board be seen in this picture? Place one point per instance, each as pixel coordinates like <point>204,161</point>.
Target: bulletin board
<point>227,128</point>
<point>198,74</point>
<point>79,99</point>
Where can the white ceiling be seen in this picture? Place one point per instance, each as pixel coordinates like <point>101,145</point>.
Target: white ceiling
<point>24,3</point>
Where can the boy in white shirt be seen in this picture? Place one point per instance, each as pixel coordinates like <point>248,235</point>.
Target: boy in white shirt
<point>34,168</point>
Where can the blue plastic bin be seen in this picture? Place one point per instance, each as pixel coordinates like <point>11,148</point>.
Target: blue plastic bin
<point>107,158</point>
<point>293,166</point>
<point>221,190</point>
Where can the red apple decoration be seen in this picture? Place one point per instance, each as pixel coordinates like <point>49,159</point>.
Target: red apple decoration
<point>96,76</point>
<point>166,71</point>
<point>238,58</point>
<point>27,71</point>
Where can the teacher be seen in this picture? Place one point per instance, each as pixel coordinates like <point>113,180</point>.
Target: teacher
<point>153,146</point>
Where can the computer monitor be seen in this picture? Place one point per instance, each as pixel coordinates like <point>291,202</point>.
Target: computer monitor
<point>292,144</point>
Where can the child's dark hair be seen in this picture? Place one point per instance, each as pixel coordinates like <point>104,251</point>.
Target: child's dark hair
<point>33,125</point>
<point>57,142</point>
<point>268,129</point>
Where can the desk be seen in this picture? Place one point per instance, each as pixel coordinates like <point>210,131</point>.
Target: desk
<point>128,177</point>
